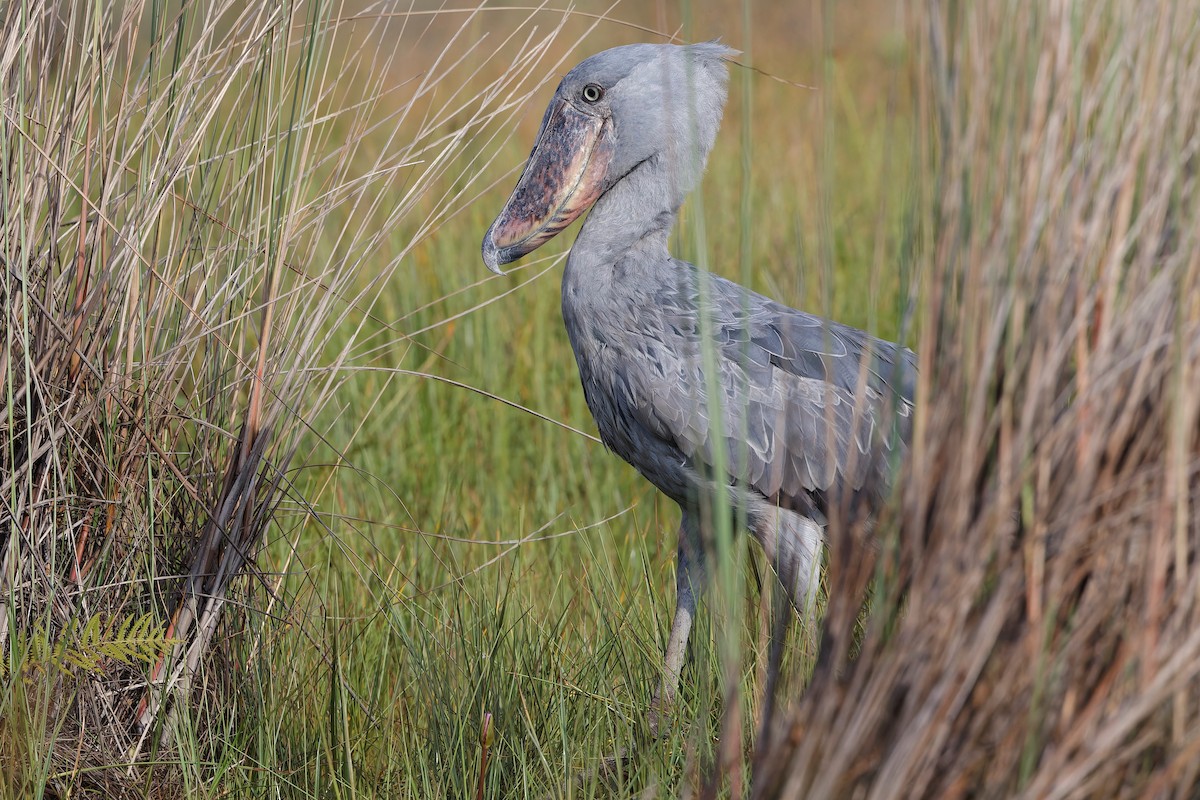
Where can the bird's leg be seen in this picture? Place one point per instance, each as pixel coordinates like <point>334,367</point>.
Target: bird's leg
<point>689,583</point>
<point>793,544</point>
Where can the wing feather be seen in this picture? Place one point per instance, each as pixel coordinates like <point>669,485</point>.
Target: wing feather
<point>796,417</point>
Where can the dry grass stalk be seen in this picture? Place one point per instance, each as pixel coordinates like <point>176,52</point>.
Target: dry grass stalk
<point>187,211</point>
<point>1035,630</point>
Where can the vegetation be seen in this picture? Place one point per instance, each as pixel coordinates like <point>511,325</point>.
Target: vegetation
<point>297,501</point>
<point>1033,630</point>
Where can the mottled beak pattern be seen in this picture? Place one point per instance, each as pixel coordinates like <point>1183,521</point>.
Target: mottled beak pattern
<point>564,177</point>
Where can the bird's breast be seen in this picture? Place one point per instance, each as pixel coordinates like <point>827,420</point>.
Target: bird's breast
<point>615,352</point>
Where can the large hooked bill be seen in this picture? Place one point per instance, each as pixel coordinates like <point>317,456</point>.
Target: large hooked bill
<point>564,177</point>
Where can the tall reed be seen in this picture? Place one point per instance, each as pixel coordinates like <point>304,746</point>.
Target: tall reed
<point>1034,628</point>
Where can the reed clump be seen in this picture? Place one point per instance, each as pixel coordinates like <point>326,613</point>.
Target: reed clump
<point>1034,626</point>
<point>194,199</point>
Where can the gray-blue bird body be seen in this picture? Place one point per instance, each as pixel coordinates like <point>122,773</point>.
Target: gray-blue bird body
<point>807,411</point>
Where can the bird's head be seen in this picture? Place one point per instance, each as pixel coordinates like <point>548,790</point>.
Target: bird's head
<point>612,113</point>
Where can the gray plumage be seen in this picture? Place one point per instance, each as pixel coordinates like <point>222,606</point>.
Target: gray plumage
<point>809,411</point>
<point>787,416</point>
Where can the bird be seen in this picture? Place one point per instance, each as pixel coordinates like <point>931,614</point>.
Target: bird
<point>699,383</point>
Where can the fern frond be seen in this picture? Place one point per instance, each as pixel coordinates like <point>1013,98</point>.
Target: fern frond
<point>130,641</point>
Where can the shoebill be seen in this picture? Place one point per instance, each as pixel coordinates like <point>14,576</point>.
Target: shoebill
<point>806,412</point>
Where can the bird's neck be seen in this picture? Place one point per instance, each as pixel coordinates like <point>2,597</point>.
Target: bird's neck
<point>634,217</point>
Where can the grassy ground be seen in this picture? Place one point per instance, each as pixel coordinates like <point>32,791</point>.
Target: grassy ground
<point>275,439</point>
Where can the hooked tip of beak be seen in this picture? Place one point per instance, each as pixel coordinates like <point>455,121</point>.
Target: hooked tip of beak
<point>491,254</point>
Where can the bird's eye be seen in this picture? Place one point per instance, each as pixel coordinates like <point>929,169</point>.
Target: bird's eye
<point>592,93</point>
